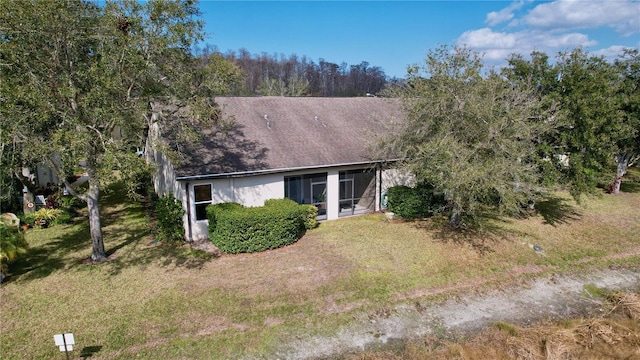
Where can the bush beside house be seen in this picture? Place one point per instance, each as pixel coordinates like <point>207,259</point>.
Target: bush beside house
<point>169,213</point>
<point>234,228</point>
<point>414,202</point>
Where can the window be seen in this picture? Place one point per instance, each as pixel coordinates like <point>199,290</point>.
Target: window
<point>293,189</point>
<point>203,197</point>
<point>357,192</point>
<point>308,189</point>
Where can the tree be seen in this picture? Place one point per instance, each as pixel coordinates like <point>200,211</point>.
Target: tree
<point>470,133</point>
<point>539,76</point>
<point>82,82</point>
<point>279,75</point>
<point>590,118</point>
<point>598,117</point>
<point>628,143</point>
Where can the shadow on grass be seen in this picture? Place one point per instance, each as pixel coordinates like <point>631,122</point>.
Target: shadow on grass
<point>89,351</point>
<point>127,237</point>
<point>486,231</point>
<point>555,211</point>
<point>40,261</point>
<point>143,254</point>
<point>480,238</point>
<point>630,187</point>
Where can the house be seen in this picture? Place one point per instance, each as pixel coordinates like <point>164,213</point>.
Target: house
<point>312,150</point>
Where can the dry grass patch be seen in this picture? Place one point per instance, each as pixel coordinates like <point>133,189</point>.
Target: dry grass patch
<point>161,302</point>
<point>298,270</point>
<point>616,335</point>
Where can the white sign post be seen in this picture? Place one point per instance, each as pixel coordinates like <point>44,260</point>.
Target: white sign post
<point>65,342</point>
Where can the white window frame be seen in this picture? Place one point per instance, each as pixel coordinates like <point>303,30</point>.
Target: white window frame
<point>196,203</point>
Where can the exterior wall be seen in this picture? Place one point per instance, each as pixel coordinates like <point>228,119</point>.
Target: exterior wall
<point>394,177</point>
<point>389,178</point>
<point>254,190</point>
<point>46,175</point>
<point>164,179</point>
<point>248,191</point>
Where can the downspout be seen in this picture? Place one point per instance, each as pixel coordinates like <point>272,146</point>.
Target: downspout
<point>378,200</point>
<point>189,232</point>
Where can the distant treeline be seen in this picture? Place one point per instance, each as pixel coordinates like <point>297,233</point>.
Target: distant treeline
<point>292,75</point>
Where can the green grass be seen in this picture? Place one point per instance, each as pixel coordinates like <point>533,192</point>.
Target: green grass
<point>151,301</point>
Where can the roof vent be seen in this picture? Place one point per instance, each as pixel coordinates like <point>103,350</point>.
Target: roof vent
<point>267,120</point>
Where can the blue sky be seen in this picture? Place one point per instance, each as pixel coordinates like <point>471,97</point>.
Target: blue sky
<point>395,34</point>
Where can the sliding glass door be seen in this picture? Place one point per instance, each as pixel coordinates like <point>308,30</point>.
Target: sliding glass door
<point>308,189</point>
<point>357,192</point>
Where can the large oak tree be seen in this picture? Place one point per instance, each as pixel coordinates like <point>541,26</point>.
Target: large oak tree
<point>598,117</point>
<point>628,141</point>
<point>470,133</point>
<point>82,82</point>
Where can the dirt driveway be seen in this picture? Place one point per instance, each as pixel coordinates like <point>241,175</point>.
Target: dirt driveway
<point>553,297</point>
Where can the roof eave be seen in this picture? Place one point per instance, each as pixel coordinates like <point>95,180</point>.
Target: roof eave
<point>275,171</point>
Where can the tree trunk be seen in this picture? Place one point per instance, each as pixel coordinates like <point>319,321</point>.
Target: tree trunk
<point>455,220</point>
<point>623,163</point>
<point>28,197</point>
<point>95,227</point>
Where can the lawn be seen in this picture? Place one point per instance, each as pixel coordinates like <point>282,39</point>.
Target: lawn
<point>151,301</point>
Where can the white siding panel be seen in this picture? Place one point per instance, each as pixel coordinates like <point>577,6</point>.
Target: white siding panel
<point>254,190</point>
<point>223,191</point>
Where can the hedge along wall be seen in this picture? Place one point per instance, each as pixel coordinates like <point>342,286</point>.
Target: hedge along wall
<point>414,202</point>
<point>237,229</point>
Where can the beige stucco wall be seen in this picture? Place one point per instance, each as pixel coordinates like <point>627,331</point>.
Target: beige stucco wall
<point>164,179</point>
<point>395,177</point>
<point>254,190</point>
<point>248,191</point>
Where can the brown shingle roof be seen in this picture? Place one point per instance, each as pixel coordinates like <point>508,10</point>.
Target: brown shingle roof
<point>298,132</point>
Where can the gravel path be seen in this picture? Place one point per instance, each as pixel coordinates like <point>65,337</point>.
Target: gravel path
<point>556,296</point>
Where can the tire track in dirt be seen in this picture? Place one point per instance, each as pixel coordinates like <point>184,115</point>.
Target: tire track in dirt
<point>550,297</point>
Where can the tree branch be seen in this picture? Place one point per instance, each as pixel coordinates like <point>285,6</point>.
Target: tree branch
<point>66,183</point>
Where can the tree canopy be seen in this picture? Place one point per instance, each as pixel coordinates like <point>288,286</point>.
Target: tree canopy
<point>469,133</point>
<point>81,82</point>
<point>483,138</point>
<point>598,120</point>
<point>294,75</point>
<point>628,142</point>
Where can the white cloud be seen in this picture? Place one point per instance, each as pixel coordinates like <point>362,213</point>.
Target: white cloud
<point>497,46</point>
<point>496,17</point>
<point>487,38</point>
<point>561,25</point>
<point>623,15</point>
<point>611,52</point>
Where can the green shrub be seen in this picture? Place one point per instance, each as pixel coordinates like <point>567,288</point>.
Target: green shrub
<point>414,203</point>
<point>310,216</point>
<point>42,217</point>
<point>28,219</point>
<point>169,213</point>
<point>212,210</point>
<point>236,229</point>
<point>12,245</point>
<point>63,218</point>
<point>70,203</point>
<point>308,212</point>
<point>280,203</point>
